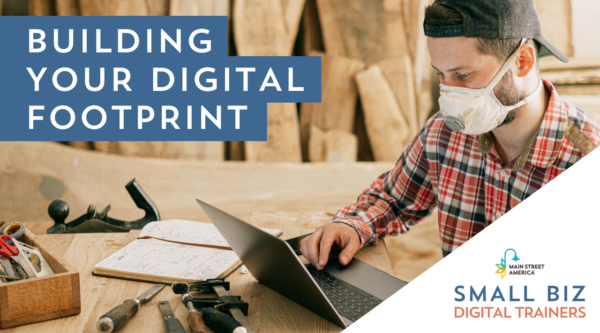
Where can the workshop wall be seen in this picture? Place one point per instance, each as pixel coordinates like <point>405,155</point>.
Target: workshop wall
<point>378,85</point>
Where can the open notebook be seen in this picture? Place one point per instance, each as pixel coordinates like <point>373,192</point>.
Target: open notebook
<point>173,251</point>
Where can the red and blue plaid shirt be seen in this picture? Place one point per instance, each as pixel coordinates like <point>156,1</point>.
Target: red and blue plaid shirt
<point>463,177</point>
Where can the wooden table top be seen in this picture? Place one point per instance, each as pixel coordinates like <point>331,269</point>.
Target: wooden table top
<point>269,311</point>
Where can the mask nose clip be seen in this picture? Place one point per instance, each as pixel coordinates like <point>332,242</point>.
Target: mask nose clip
<point>454,123</point>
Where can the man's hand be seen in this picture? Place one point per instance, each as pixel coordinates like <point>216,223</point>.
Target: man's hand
<point>317,246</point>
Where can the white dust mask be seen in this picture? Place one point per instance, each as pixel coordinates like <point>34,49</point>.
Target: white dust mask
<point>478,111</point>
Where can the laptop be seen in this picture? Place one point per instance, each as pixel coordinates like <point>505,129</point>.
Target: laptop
<point>340,294</point>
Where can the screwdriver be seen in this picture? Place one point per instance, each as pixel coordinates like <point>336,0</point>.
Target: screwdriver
<point>194,317</point>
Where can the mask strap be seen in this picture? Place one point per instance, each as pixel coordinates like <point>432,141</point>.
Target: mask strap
<point>505,67</point>
<point>528,98</point>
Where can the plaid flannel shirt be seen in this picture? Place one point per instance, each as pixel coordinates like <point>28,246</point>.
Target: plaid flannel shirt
<point>463,177</point>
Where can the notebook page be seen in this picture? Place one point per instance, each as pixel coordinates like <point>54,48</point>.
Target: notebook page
<point>155,257</point>
<point>189,232</point>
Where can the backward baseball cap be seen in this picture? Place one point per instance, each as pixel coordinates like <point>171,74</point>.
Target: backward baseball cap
<point>499,19</point>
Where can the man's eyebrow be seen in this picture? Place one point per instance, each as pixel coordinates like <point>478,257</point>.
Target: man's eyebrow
<point>451,70</point>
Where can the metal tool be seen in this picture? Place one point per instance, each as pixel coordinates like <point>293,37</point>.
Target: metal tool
<point>9,258</point>
<point>6,268</point>
<point>14,229</point>
<point>9,277</point>
<point>194,317</point>
<point>173,324</point>
<point>95,222</point>
<point>3,274</point>
<point>223,303</point>
<point>231,304</point>
<point>118,316</point>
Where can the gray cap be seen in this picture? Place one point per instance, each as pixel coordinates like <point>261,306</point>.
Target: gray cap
<point>499,19</point>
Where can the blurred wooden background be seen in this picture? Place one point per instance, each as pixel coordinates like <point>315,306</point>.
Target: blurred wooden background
<point>378,91</point>
<point>378,85</point>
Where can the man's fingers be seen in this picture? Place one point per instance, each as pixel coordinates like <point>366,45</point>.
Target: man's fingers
<point>303,248</point>
<point>325,247</point>
<point>312,247</point>
<point>349,250</point>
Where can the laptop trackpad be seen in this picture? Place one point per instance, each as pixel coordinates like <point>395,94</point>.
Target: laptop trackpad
<point>366,277</point>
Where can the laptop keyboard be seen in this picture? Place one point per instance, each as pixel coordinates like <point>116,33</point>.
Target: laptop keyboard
<point>348,300</point>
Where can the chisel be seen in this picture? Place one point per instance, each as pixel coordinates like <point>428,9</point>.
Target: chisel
<point>173,324</point>
<point>117,317</point>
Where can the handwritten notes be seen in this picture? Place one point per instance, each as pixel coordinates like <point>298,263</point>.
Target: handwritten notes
<point>189,232</point>
<point>174,251</point>
<point>153,257</point>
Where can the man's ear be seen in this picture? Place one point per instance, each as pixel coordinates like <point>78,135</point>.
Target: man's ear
<point>525,60</point>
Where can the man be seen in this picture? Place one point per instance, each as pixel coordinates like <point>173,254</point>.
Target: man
<point>501,134</point>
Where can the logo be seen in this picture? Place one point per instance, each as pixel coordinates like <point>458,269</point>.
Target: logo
<point>505,267</point>
<point>502,265</point>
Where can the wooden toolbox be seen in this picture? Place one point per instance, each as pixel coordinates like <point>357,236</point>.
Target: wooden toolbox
<point>40,299</point>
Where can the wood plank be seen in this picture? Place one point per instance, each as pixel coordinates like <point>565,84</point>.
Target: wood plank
<point>199,8</point>
<point>553,64</point>
<point>388,130</point>
<point>399,74</point>
<point>124,8</point>
<point>578,71</point>
<point>67,8</point>
<point>368,30</point>
<point>186,150</point>
<point>41,8</point>
<point>582,76</point>
<point>269,28</point>
<point>333,146</point>
<point>82,144</point>
<point>158,7</point>
<point>555,19</point>
<point>425,99</point>
<point>259,28</point>
<point>578,89</point>
<point>196,150</point>
<point>339,96</point>
<point>585,14</point>
<point>283,136</point>
<point>134,148</point>
<point>413,13</point>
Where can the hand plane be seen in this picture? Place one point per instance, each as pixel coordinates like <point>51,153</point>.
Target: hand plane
<point>97,222</point>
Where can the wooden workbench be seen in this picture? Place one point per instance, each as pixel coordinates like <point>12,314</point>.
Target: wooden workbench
<point>269,311</point>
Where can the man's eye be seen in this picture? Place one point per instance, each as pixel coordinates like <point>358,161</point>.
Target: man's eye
<point>463,76</point>
<point>440,73</point>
